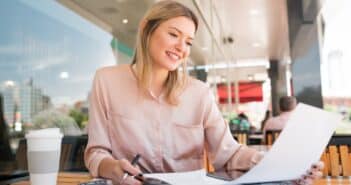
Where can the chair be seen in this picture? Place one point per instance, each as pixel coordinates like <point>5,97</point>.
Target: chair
<point>337,156</point>
<point>256,138</point>
<point>71,158</point>
<point>241,136</point>
<point>271,136</point>
<point>207,164</point>
<point>72,153</point>
<point>21,155</point>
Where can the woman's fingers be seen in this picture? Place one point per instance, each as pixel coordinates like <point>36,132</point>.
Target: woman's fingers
<point>126,166</point>
<point>318,166</point>
<point>314,174</point>
<point>304,180</point>
<point>307,181</point>
<point>128,172</point>
<point>130,180</point>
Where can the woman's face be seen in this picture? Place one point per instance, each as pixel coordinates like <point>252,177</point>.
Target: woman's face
<point>171,42</point>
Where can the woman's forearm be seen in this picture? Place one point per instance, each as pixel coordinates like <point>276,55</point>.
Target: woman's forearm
<point>108,168</point>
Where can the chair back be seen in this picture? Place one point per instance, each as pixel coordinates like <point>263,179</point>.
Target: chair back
<point>337,156</point>
<point>241,136</point>
<point>71,157</point>
<point>21,155</point>
<point>207,164</point>
<point>72,153</point>
<point>271,136</point>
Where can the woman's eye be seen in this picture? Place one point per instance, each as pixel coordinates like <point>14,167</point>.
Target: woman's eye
<point>173,34</point>
<point>189,43</point>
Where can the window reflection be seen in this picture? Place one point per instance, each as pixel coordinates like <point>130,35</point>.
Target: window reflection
<point>48,56</point>
<point>335,64</point>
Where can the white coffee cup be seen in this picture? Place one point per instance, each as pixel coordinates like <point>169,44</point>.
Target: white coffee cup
<point>43,154</point>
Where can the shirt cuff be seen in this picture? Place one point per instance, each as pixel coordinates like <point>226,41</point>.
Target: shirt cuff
<point>94,163</point>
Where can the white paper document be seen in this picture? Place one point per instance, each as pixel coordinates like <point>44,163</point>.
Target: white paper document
<point>187,178</point>
<point>298,146</point>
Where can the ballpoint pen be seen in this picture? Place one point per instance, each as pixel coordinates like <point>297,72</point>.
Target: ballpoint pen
<point>134,162</point>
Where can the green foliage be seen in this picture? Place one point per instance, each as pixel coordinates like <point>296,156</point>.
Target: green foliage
<point>55,119</point>
<point>80,117</point>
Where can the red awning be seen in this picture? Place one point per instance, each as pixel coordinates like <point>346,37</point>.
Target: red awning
<point>248,92</point>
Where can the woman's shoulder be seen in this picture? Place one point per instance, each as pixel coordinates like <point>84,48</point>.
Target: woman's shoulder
<point>115,70</point>
<point>195,85</point>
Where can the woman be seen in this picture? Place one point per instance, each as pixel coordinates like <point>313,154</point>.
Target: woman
<point>154,109</point>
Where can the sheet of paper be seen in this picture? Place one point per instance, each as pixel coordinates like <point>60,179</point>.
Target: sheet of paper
<point>190,178</point>
<point>299,145</point>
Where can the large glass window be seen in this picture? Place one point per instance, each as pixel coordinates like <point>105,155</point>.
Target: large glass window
<point>48,57</point>
<point>336,56</point>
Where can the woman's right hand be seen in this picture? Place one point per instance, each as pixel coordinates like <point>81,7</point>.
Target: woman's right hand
<point>115,170</point>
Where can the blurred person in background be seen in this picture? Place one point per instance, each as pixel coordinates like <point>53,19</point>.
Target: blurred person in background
<point>286,105</point>
<point>267,116</point>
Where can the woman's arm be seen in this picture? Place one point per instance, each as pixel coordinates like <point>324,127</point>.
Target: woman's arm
<point>223,150</point>
<point>98,157</point>
<point>99,146</point>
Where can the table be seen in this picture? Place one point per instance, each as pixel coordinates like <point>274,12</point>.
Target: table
<point>65,178</point>
<point>263,148</point>
<point>333,181</point>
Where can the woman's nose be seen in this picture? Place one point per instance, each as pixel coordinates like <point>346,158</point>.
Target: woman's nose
<point>180,46</point>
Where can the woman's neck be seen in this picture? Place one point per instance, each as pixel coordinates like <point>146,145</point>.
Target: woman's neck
<point>158,79</point>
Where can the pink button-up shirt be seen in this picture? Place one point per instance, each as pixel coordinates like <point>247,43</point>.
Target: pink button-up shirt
<point>124,122</point>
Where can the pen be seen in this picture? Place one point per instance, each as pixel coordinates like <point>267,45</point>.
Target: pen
<point>134,162</point>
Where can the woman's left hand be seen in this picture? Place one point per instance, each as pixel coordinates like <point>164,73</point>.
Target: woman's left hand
<point>315,172</point>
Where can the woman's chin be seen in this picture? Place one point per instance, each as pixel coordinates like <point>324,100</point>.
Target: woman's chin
<point>171,67</point>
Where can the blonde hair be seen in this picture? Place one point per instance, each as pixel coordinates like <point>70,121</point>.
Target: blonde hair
<point>159,13</point>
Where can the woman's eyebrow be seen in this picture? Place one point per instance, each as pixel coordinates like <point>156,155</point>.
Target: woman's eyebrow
<point>178,30</point>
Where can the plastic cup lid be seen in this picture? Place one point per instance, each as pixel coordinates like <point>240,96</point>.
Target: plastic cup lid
<point>46,133</point>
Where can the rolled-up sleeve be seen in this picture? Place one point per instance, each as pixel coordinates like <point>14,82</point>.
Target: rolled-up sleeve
<point>99,146</point>
<point>223,150</point>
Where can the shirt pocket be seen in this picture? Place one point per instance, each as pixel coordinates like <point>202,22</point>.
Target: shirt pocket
<point>126,135</point>
<point>187,141</point>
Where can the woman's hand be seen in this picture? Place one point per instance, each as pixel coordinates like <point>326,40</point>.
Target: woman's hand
<point>315,172</point>
<point>116,170</point>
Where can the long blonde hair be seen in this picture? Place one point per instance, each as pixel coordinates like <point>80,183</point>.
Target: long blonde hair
<point>159,13</point>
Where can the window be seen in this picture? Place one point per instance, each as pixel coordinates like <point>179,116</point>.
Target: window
<point>48,57</point>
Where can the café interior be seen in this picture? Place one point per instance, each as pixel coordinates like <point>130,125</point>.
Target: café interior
<point>250,54</point>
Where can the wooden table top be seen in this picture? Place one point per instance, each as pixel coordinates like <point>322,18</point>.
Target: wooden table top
<point>333,181</point>
<point>65,178</point>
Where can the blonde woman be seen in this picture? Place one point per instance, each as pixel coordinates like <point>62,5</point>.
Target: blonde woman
<point>154,109</point>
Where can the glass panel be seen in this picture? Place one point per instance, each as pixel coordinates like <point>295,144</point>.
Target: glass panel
<point>48,56</point>
<point>336,57</point>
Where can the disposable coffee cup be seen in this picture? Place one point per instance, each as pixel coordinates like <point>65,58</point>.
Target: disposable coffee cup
<point>43,154</point>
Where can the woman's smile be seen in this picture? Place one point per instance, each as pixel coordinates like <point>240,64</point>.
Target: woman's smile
<point>173,56</point>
